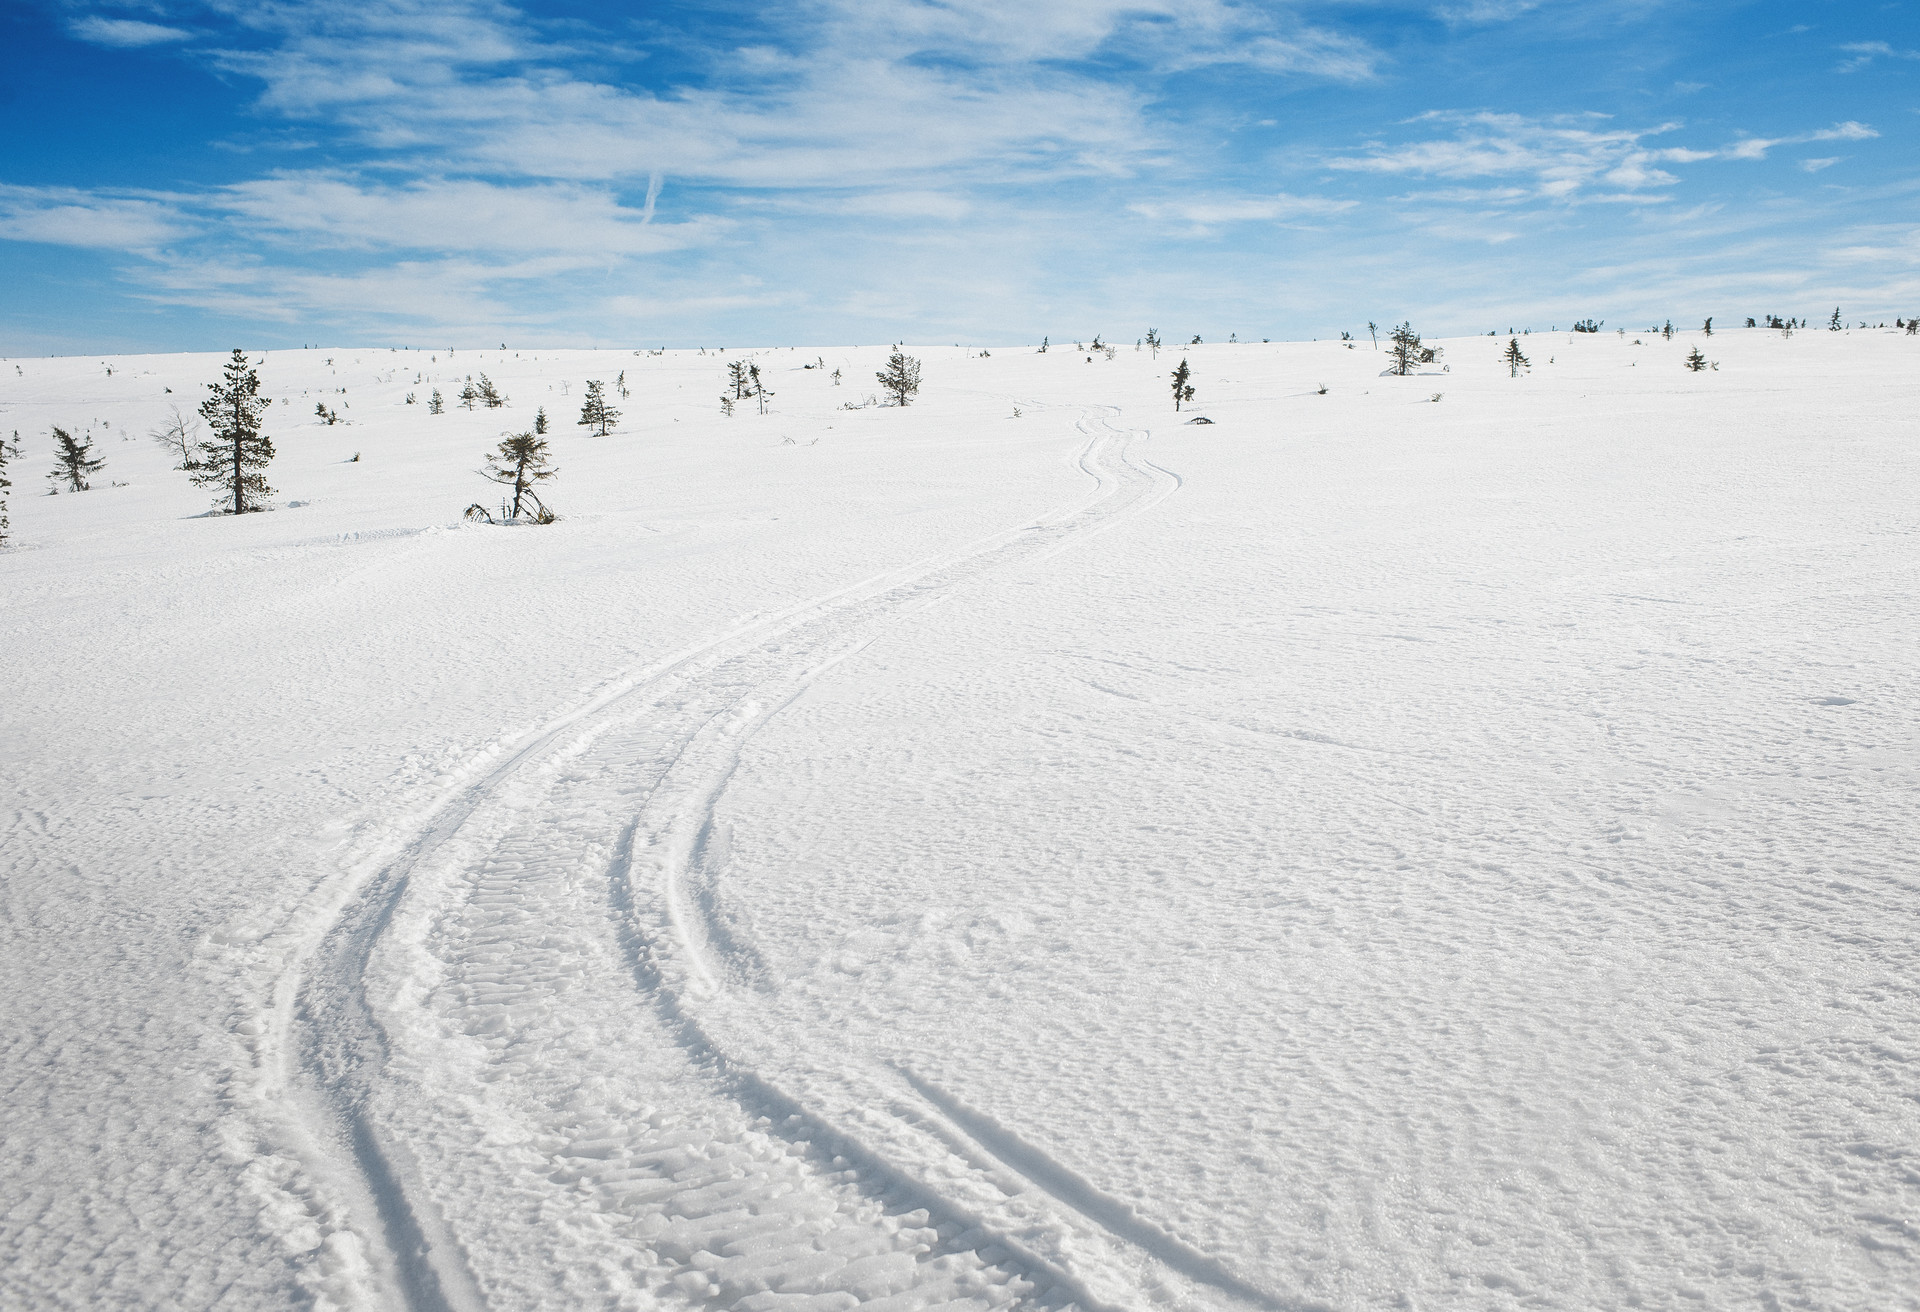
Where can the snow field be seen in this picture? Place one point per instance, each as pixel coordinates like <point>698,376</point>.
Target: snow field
<point>1412,854</point>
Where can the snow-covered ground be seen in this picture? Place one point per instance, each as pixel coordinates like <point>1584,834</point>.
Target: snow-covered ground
<point>1371,851</point>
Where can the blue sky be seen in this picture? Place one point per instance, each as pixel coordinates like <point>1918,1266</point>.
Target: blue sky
<point>269,172</point>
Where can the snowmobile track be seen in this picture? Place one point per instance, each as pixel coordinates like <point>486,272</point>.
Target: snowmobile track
<point>669,738</point>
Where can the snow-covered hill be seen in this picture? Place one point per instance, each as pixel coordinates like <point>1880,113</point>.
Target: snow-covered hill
<point>1432,842</point>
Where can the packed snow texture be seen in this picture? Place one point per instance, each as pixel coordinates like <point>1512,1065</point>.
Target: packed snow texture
<point>1438,842</point>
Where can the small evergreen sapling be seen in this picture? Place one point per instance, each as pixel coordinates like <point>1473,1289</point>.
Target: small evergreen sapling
<point>1403,346</point>
<point>436,406</point>
<point>738,380</point>
<point>469,394</point>
<point>519,462</point>
<point>757,387</point>
<point>540,421</point>
<point>1153,342</point>
<point>233,458</point>
<point>72,461</point>
<point>1696,361</point>
<point>595,413</point>
<point>901,377</point>
<point>490,395</point>
<point>6,451</point>
<point>1182,389</point>
<point>1834,325</point>
<point>1515,360</point>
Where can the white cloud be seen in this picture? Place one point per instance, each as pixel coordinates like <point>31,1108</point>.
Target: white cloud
<point>1210,211</point>
<point>1564,156</point>
<point>454,215</point>
<point>64,216</point>
<point>125,32</point>
<point>1815,165</point>
<point>1865,52</point>
<point>1757,147</point>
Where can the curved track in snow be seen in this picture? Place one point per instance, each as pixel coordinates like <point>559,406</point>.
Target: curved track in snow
<point>528,1044</point>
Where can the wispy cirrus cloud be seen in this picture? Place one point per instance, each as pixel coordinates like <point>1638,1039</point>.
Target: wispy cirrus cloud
<point>1211,211</point>
<point>70,216</point>
<point>126,33</point>
<point>1567,158</point>
<point>1865,52</point>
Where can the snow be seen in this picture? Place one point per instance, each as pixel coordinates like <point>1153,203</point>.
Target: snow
<point>1366,852</point>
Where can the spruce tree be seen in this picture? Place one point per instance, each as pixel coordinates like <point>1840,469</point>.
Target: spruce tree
<point>436,406</point>
<point>233,457</point>
<point>519,462</point>
<point>1696,361</point>
<point>1153,342</point>
<point>489,394</point>
<point>1515,360</point>
<point>540,421</point>
<point>901,377</point>
<point>72,461</point>
<point>1834,324</point>
<point>1182,389</point>
<point>757,387</point>
<point>739,380</point>
<point>1403,346</point>
<point>595,413</point>
<point>469,394</point>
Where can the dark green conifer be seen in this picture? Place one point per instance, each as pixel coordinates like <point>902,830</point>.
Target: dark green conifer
<point>233,458</point>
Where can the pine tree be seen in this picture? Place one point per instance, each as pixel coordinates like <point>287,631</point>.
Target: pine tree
<point>1834,324</point>
<point>757,387</point>
<point>1403,345</point>
<point>1373,331</point>
<point>620,385</point>
<point>233,457</point>
<point>901,377</point>
<point>1043,347</point>
<point>469,394</point>
<point>1153,342</point>
<point>436,406</point>
<point>72,461</point>
<point>1696,361</point>
<point>1706,329</point>
<point>540,421</point>
<point>739,380</point>
<point>595,413</point>
<point>1515,360</point>
<point>1182,389</point>
<point>489,394</point>
<point>519,462</point>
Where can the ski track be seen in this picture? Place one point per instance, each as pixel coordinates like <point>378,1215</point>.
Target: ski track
<point>520,1064</point>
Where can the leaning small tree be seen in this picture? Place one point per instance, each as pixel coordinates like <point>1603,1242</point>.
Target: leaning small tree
<point>1153,342</point>
<point>1404,349</point>
<point>1182,389</point>
<point>901,377</point>
<point>595,413</point>
<point>739,380</point>
<point>1515,360</point>
<point>519,462</point>
<point>179,436</point>
<point>73,461</point>
<point>233,458</point>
